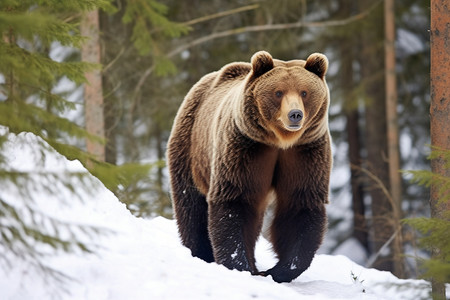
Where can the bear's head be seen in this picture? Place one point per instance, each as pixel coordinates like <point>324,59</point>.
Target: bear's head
<point>292,97</point>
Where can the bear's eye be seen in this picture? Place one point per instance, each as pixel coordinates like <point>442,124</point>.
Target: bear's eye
<point>279,94</point>
<point>303,94</point>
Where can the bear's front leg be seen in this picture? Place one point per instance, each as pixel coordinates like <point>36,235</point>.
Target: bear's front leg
<point>296,236</point>
<point>233,230</point>
<point>301,185</point>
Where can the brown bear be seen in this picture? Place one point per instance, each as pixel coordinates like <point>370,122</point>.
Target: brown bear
<point>245,133</point>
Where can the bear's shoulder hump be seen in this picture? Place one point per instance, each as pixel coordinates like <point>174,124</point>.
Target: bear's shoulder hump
<point>234,70</point>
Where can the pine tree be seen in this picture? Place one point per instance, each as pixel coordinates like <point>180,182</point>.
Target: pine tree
<point>29,29</point>
<point>435,230</point>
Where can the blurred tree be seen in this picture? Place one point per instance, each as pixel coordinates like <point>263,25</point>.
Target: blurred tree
<point>391,106</point>
<point>412,72</point>
<point>30,102</point>
<point>395,180</point>
<point>358,87</point>
<point>347,42</point>
<point>384,225</point>
<point>132,39</point>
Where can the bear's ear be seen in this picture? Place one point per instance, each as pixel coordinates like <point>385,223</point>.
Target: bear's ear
<point>262,62</point>
<point>318,64</point>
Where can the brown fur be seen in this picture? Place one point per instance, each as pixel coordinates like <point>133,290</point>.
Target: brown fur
<point>233,143</point>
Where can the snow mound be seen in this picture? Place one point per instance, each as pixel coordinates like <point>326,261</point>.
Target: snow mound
<point>144,259</point>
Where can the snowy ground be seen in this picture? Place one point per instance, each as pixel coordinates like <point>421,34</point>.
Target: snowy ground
<point>143,259</point>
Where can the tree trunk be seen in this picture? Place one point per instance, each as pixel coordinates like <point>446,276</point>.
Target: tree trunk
<point>440,109</point>
<point>392,131</point>
<point>382,227</point>
<point>93,96</point>
<point>164,202</point>
<point>114,39</point>
<point>360,231</point>
<point>109,99</point>
<point>110,121</point>
<point>347,53</point>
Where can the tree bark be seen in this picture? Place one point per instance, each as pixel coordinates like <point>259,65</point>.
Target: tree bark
<point>392,131</point>
<point>439,109</point>
<point>93,95</point>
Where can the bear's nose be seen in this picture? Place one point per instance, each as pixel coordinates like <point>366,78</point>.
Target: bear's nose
<point>295,115</point>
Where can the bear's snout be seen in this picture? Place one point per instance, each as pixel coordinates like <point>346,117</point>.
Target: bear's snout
<point>292,112</point>
<point>295,116</point>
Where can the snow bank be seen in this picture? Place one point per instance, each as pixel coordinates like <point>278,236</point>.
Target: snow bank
<point>144,259</point>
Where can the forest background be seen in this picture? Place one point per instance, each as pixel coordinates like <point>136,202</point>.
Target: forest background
<point>101,81</point>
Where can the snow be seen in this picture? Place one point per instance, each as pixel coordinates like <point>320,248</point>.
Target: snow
<point>144,259</point>
<point>409,42</point>
<point>353,249</point>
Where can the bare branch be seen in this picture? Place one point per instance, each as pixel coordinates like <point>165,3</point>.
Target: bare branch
<point>383,248</point>
<point>378,182</point>
<point>267,27</point>
<point>255,28</point>
<point>121,52</point>
<point>220,14</point>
